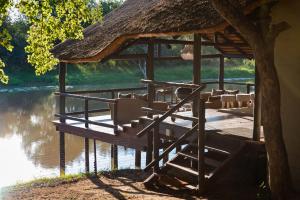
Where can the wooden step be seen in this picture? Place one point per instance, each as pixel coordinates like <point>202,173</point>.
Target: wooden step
<point>185,169</point>
<point>209,148</point>
<point>175,182</point>
<point>207,161</point>
<point>126,127</point>
<point>134,123</point>
<point>188,155</point>
<point>149,182</point>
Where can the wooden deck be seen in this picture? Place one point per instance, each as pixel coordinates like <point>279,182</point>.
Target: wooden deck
<point>101,133</point>
<point>222,123</point>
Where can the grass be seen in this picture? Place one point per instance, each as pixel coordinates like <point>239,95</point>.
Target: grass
<point>83,75</point>
<point>51,182</point>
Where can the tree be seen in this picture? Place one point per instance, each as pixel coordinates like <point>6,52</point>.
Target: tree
<point>50,21</point>
<point>261,36</point>
<point>4,36</point>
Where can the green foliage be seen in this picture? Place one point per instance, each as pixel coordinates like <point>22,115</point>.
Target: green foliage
<point>33,29</point>
<point>249,62</point>
<point>5,37</point>
<point>109,5</point>
<point>52,20</point>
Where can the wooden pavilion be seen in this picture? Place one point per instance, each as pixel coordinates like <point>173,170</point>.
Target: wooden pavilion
<point>207,152</point>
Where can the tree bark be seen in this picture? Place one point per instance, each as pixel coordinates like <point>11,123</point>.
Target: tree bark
<point>279,173</point>
<point>261,37</point>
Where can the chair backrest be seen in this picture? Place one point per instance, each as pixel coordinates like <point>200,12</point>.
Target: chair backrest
<point>127,110</point>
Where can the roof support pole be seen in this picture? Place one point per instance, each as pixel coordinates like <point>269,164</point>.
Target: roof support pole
<point>151,94</point>
<point>114,157</point>
<point>62,106</point>
<point>257,108</point>
<point>150,72</point>
<point>137,159</point>
<point>221,73</point>
<point>196,69</point>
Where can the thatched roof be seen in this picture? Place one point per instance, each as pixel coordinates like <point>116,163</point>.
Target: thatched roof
<point>142,18</point>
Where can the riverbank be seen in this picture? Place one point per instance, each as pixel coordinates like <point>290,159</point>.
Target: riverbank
<point>122,184</point>
<point>81,75</point>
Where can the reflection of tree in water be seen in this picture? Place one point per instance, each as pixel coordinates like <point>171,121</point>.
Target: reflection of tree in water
<point>30,115</point>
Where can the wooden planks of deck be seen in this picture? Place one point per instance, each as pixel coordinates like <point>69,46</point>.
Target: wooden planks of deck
<point>223,123</point>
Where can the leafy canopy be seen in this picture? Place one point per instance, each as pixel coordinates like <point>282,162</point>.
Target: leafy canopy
<point>50,21</point>
<point>5,37</point>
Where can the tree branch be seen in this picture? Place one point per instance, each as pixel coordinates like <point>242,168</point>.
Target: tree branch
<point>237,19</point>
<point>276,29</point>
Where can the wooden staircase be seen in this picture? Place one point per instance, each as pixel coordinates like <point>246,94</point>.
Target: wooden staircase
<point>204,157</point>
<point>181,172</point>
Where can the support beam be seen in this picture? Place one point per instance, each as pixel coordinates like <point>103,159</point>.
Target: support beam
<point>159,50</point>
<point>156,144</point>
<point>166,158</point>
<point>201,143</point>
<point>196,69</point>
<point>62,104</point>
<point>149,148</point>
<point>87,155</point>
<point>257,108</point>
<point>114,157</point>
<point>137,159</point>
<point>221,73</point>
<point>233,44</point>
<point>150,73</point>
<point>95,158</point>
<point>86,140</point>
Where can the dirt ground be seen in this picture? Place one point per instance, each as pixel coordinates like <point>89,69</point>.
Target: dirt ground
<point>124,184</point>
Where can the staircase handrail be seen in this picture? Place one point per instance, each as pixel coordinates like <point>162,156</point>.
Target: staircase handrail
<point>171,147</point>
<point>171,111</point>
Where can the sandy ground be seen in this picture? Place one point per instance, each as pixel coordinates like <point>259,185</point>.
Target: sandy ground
<point>126,184</point>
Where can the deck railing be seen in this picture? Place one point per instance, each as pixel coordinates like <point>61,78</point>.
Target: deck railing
<point>86,112</point>
<point>198,126</point>
<point>248,85</point>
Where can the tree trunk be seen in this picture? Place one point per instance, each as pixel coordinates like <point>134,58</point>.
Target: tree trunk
<point>261,37</point>
<point>279,174</point>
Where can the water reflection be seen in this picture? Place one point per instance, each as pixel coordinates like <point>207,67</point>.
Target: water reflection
<point>29,142</point>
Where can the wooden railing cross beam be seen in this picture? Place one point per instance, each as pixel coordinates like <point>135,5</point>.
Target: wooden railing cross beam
<point>169,112</point>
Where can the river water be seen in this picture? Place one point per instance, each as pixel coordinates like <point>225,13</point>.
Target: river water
<point>29,143</point>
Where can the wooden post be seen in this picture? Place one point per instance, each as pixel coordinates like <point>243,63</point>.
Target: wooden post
<point>149,147</point>
<point>137,159</point>
<point>201,143</point>
<point>221,73</point>
<point>156,143</point>
<point>257,108</point>
<point>178,148</point>
<point>196,69</point>
<point>87,155</point>
<point>150,72</point>
<point>151,93</point>
<point>114,157</point>
<point>86,140</point>
<point>159,50</point>
<point>62,106</point>
<point>166,158</point>
<point>248,88</point>
<point>95,158</point>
